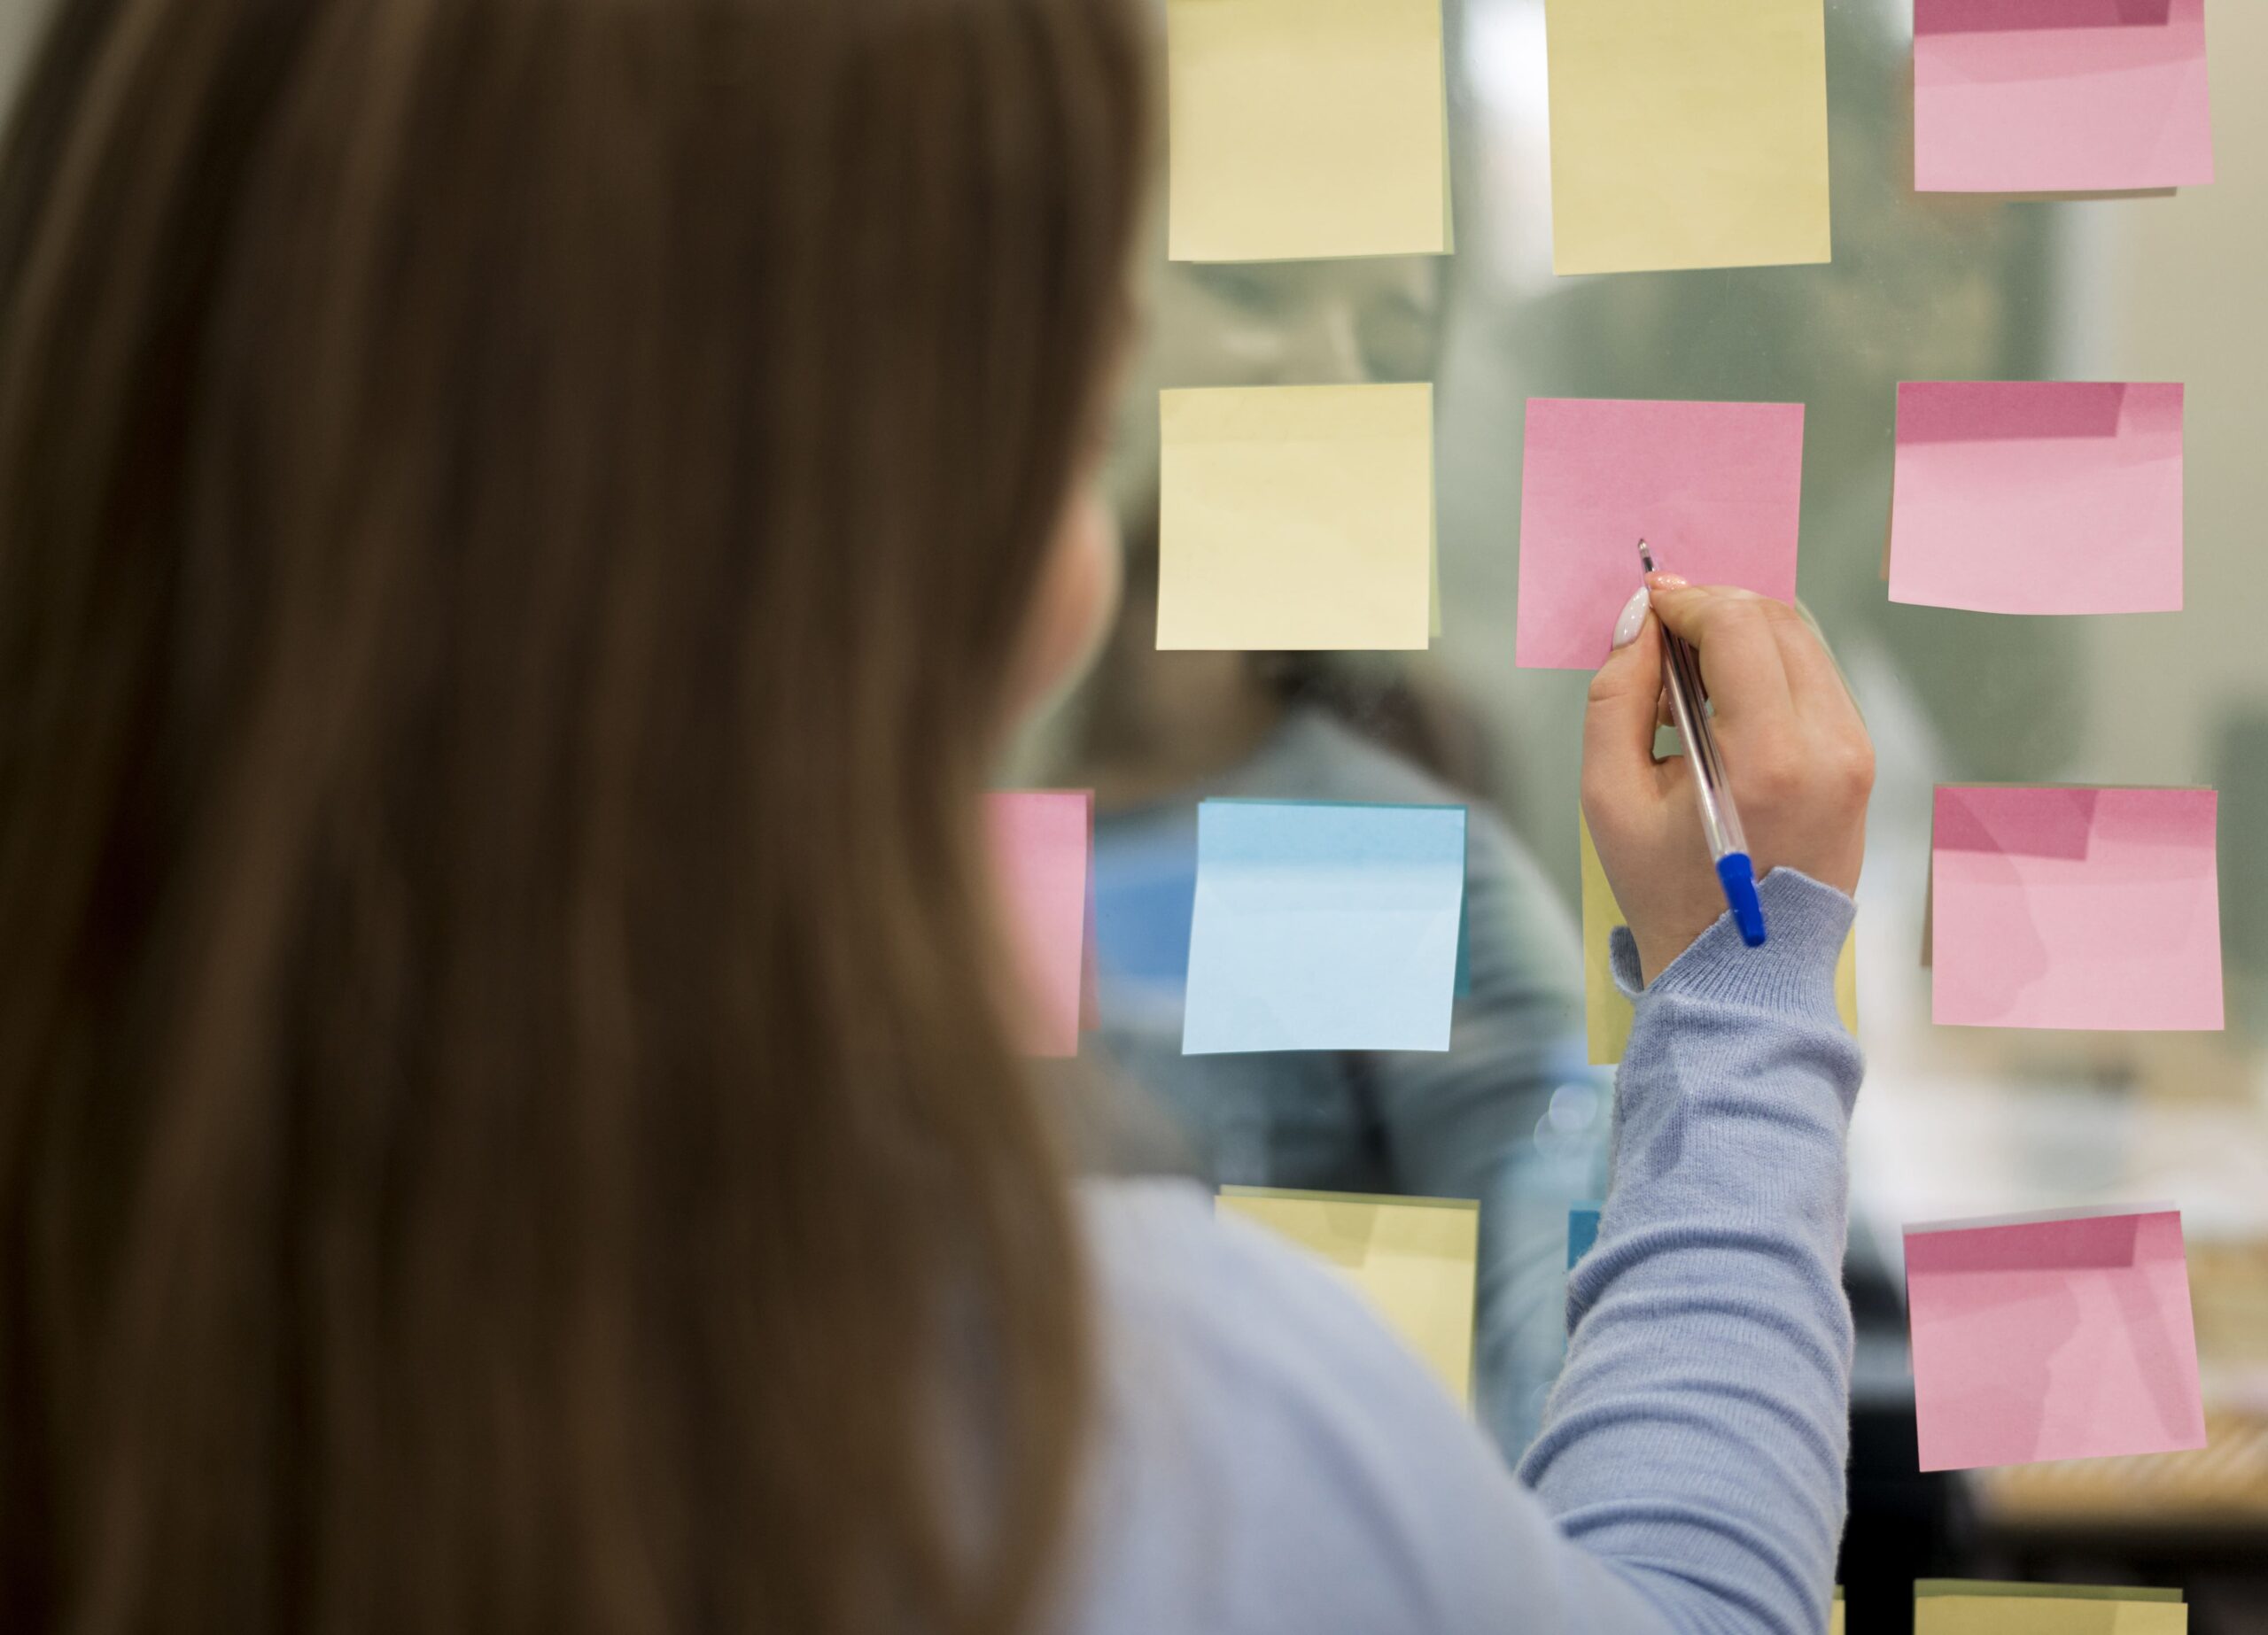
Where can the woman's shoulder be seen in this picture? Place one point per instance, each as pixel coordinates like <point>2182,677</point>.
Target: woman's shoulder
<point>1208,1306</point>
<point>1164,1262</point>
<point>1269,1456</point>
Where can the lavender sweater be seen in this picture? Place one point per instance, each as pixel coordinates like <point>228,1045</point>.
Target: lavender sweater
<point>1271,1460</point>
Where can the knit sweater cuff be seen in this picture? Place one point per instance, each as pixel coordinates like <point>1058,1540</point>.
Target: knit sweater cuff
<point>1792,974</point>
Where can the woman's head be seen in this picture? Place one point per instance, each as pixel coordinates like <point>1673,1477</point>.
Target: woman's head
<point>520,526</point>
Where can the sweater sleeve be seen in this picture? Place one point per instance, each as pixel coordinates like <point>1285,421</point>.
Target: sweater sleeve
<point>1697,1434</point>
<point>1271,1459</point>
<point>1465,1123</point>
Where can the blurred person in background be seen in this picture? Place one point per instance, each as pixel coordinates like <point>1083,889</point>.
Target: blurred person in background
<point>1512,1115</point>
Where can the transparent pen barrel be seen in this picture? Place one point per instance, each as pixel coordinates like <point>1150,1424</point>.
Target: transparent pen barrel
<point>1719,821</point>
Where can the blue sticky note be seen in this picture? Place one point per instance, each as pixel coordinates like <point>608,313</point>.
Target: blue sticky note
<point>1582,1231</point>
<point>1323,926</point>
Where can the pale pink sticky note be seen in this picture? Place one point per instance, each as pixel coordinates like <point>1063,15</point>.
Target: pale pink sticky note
<point>2059,95</point>
<point>1042,846</point>
<point>2038,497</point>
<point>1715,488</point>
<point>2062,1338</point>
<point>2075,908</point>
<point>1090,965</point>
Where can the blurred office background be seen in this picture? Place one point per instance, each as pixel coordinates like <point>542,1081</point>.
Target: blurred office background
<point>1952,1122</point>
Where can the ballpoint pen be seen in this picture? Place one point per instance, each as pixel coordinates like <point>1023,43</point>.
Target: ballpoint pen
<point>1681,668</point>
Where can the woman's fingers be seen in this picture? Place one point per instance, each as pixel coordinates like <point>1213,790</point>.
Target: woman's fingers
<point>1618,720</point>
<point>1837,733</point>
<point>1741,663</point>
<point>1822,697</point>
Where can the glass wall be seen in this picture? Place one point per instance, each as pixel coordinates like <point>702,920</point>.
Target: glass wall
<point>1954,1122</point>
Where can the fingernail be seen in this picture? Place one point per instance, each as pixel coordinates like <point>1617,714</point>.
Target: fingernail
<point>1633,619</point>
<point>1669,582</point>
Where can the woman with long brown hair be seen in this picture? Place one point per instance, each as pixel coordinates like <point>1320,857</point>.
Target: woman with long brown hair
<point>524,525</point>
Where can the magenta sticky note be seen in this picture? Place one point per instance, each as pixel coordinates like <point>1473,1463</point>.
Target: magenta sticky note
<point>2075,908</point>
<point>2038,497</point>
<point>1715,488</point>
<point>2068,1337</point>
<point>2059,95</point>
<point>1042,844</point>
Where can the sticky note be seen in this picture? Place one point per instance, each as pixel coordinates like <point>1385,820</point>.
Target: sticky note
<point>2059,95</point>
<point>1296,517</point>
<point>1715,488</point>
<point>1606,1013</point>
<point>1042,846</point>
<point>1324,927</point>
<point>2059,1338</point>
<point>1413,1259</point>
<point>1956,1607</point>
<point>1583,1230</point>
<point>1687,133</point>
<point>2038,497</point>
<point>1835,1613</point>
<point>1306,129</point>
<point>2075,908</point>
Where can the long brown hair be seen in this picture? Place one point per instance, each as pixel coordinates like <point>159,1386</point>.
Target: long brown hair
<point>515,520</point>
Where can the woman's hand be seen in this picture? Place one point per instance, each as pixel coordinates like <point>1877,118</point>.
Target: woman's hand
<point>1797,755</point>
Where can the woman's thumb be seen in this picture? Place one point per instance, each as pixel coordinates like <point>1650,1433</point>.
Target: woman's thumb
<point>1619,717</point>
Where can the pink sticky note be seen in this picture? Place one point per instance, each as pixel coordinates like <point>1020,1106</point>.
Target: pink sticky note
<point>1716,488</point>
<point>1042,844</point>
<point>1090,963</point>
<point>2059,95</point>
<point>2075,908</point>
<point>2062,1338</point>
<point>2038,497</point>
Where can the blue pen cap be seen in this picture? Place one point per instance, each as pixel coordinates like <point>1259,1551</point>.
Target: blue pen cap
<point>1739,877</point>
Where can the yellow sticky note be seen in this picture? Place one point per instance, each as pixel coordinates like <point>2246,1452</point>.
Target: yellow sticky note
<point>1412,1259</point>
<point>1949,1607</point>
<point>1434,581</point>
<point>1687,133</point>
<point>1296,517</point>
<point>1607,1013</point>
<point>1835,1614</point>
<point>1306,129</point>
<point>1991,1616</point>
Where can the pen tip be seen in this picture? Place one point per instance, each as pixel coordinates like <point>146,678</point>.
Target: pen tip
<point>1645,557</point>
